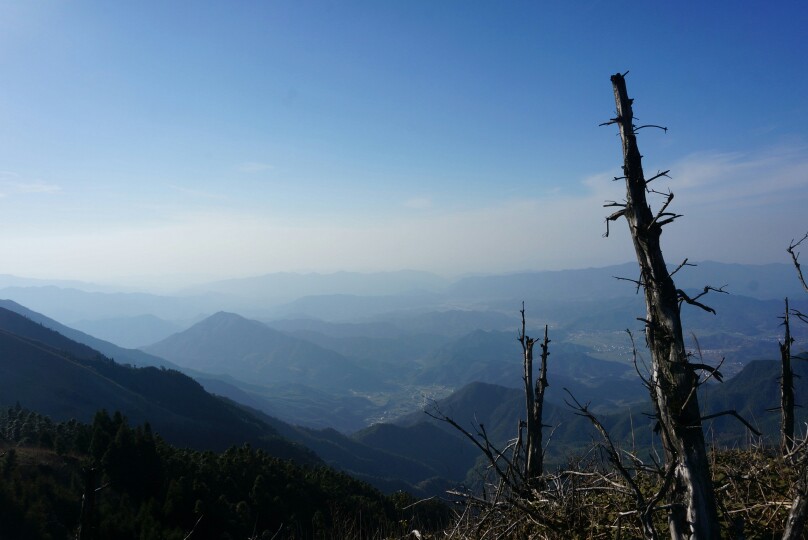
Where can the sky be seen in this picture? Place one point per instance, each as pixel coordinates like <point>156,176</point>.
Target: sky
<point>194,140</point>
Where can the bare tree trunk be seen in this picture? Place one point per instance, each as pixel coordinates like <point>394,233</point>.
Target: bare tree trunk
<point>795,523</point>
<point>531,457</point>
<point>674,381</point>
<point>86,530</point>
<point>534,402</point>
<point>786,389</point>
<point>538,403</point>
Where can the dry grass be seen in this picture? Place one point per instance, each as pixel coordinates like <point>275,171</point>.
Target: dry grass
<point>590,500</point>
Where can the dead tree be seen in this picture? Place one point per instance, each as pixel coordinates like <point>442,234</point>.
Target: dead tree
<point>86,530</point>
<point>786,389</point>
<point>534,402</point>
<point>798,515</point>
<point>691,497</point>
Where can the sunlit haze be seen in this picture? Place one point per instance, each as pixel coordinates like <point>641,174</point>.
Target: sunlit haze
<point>151,141</point>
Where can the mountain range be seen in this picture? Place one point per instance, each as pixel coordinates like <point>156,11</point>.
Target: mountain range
<point>342,376</point>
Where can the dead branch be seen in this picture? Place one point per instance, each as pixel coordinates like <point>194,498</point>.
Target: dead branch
<point>614,217</point>
<point>794,258</point>
<point>645,381</point>
<point>636,129</point>
<point>736,415</point>
<point>657,175</point>
<point>683,264</point>
<point>193,529</point>
<point>485,447</point>
<point>713,372</point>
<point>642,507</point>
<point>638,282</point>
<point>800,315</point>
<point>661,213</point>
<point>694,301</point>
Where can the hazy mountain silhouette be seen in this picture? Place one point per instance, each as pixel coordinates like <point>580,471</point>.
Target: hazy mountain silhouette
<point>285,286</point>
<point>121,355</point>
<point>130,332</point>
<point>552,296</point>
<point>68,305</point>
<point>767,281</point>
<point>251,351</point>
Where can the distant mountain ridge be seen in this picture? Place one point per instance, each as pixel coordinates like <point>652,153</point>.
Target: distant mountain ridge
<point>763,282</point>
<point>68,304</point>
<point>130,332</point>
<point>226,343</point>
<point>350,296</point>
<point>286,286</point>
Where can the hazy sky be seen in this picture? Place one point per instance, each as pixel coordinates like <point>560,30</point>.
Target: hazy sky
<point>227,138</point>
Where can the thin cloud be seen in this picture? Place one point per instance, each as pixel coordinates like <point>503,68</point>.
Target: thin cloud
<point>742,180</point>
<point>739,207</point>
<point>14,184</point>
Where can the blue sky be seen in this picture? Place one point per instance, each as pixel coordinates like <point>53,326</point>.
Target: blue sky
<point>221,139</point>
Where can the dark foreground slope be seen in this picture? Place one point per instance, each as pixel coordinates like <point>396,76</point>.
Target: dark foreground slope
<point>121,355</point>
<point>58,377</point>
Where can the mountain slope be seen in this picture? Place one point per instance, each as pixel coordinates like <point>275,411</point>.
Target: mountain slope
<point>295,403</point>
<point>49,373</point>
<point>251,351</point>
<point>499,409</point>
<point>388,471</point>
<point>752,393</point>
<point>448,455</point>
<point>121,355</point>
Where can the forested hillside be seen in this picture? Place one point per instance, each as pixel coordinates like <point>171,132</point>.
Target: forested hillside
<point>142,487</point>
